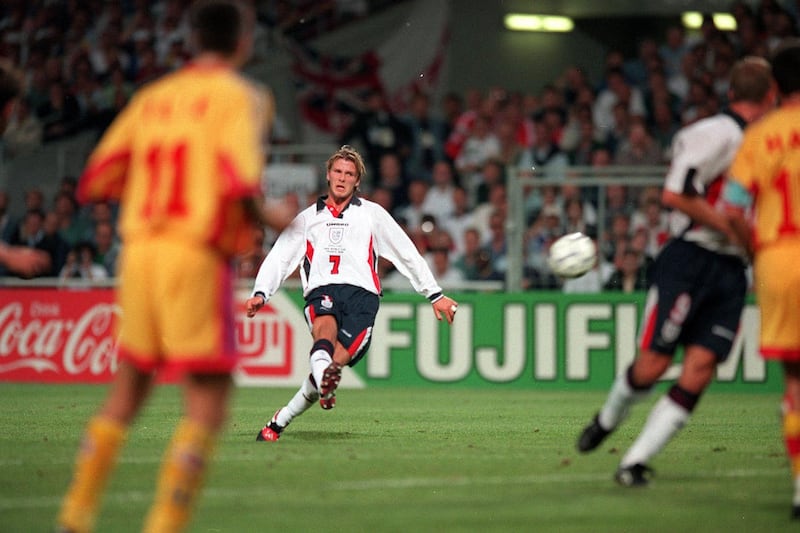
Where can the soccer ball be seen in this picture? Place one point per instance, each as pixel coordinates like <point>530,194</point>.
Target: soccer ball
<point>572,255</point>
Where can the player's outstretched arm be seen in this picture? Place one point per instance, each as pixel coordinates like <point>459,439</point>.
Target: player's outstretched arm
<point>445,307</point>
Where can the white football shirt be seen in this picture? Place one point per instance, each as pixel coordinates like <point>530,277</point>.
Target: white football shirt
<point>343,250</point>
<point>702,153</point>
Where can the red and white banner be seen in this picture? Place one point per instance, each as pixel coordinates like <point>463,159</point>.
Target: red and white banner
<point>50,335</point>
<point>411,59</point>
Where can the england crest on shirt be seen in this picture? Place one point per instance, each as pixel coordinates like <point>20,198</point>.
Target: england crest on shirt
<point>336,234</point>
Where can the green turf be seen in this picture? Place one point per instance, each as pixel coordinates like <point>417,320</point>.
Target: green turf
<point>440,459</point>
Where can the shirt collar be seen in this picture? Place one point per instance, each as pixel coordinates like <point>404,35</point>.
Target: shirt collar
<point>736,117</point>
<point>355,200</point>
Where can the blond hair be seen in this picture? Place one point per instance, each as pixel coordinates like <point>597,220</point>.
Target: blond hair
<point>349,153</point>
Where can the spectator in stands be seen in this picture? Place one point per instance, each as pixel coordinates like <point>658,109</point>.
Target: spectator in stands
<point>459,220</point>
<point>653,221</point>
<point>512,111</point>
<point>638,148</point>
<point>664,127</point>
<point>631,274</point>
<point>618,202</point>
<point>112,97</point>
<point>427,134</point>
<point>147,67</point>
<point>485,268</point>
<point>673,49</point>
<point>482,213</point>
<point>383,197</point>
<point>544,158</point>
<point>54,244</point>
<point>574,219</point>
<point>97,212</point>
<point>497,246</point>
<point>452,106</point>
<point>700,102</point>
<point>412,212</point>
<point>570,191</point>
<point>461,127</point>
<point>24,131</point>
<point>619,131</point>
<point>379,131</point>
<point>617,90</point>
<point>72,227</point>
<point>636,69</point>
<point>510,145</point>
<point>493,171</point>
<point>572,83</point>
<point>30,230</point>
<point>448,275</point>
<point>618,233</point>
<point>481,145</point>
<point>678,82</point>
<point>60,114</point>
<point>539,236</point>
<point>469,262</point>
<point>553,110</point>
<point>83,85</point>
<point>439,197</point>
<point>107,52</point>
<point>658,92</point>
<point>580,139</point>
<point>392,177</point>
<point>34,199</point>
<point>747,38</point>
<point>107,247</point>
<point>80,264</point>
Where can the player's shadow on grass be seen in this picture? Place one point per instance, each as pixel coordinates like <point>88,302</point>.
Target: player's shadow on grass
<point>322,435</point>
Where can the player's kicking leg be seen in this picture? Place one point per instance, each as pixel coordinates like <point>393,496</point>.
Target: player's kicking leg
<point>303,399</point>
<point>624,393</point>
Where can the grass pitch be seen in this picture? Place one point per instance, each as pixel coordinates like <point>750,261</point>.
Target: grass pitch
<point>389,460</point>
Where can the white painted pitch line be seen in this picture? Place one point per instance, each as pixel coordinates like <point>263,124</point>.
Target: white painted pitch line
<point>120,498</point>
<point>532,479</point>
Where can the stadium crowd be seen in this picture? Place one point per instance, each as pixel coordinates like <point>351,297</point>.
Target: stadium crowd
<point>438,166</point>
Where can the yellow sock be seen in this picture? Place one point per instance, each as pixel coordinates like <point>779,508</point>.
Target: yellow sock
<point>96,458</point>
<point>180,478</point>
<point>791,435</point>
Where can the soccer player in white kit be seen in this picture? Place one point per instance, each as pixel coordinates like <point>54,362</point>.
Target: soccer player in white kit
<point>337,242</point>
<point>698,284</point>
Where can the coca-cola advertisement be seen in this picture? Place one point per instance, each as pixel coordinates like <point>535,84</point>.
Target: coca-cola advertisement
<point>49,335</point>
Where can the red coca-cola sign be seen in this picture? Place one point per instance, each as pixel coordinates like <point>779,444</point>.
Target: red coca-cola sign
<point>51,335</point>
<point>62,335</point>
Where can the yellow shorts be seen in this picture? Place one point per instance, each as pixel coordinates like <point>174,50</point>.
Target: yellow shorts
<point>176,302</point>
<point>777,285</point>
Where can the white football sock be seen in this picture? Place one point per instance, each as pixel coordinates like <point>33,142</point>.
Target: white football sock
<point>796,499</point>
<point>319,362</point>
<point>304,398</point>
<point>665,420</point>
<point>618,402</point>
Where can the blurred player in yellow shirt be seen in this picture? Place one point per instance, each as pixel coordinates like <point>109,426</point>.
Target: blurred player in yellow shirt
<point>765,176</point>
<point>184,160</point>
